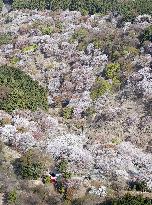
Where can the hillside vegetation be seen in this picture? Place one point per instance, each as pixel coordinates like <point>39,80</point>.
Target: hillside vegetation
<point>75,103</point>
<point>18,90</point>
<point>129,9</point>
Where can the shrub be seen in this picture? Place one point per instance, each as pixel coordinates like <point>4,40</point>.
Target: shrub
<point>62,167</point>
<point>139,186</point>
<point>60,187</point>
<point>81,36</point>
<point>5,39</point>
<point>32,164</point>
<point>146,35</point>
<point>8,19</point>
<point>115,55</point>
<point>112,71</point>
<point>82,46</point>
<point>67,113</point>
<point>11,197</point>
<point>116,141</point>
<point>46,30</point>
<point>98,43</point>
<point>14,60</point>
<point>28,166</point>
<point>30,48</point>
<point>18,90</point>
<point>90,111</point>
<point>58,26</point>
<point>46,179</point>
<point>131,51</point>
<point>101,87</point>
<point>129,200</point>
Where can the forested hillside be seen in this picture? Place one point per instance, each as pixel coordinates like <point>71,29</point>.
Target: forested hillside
<point>128,8</point>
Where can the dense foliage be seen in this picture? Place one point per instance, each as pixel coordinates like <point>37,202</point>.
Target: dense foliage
<point>30,4</point>
<point>146,35</point>
<point>130,200</point>
<point>30,165</point>
<point>18,90</point>
<point>139,186</point>
<point>100,87</point>
<point>128,8</point>
<point>62,167</point>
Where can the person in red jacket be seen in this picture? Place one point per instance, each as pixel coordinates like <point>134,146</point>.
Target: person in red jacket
<point>53,178</point>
